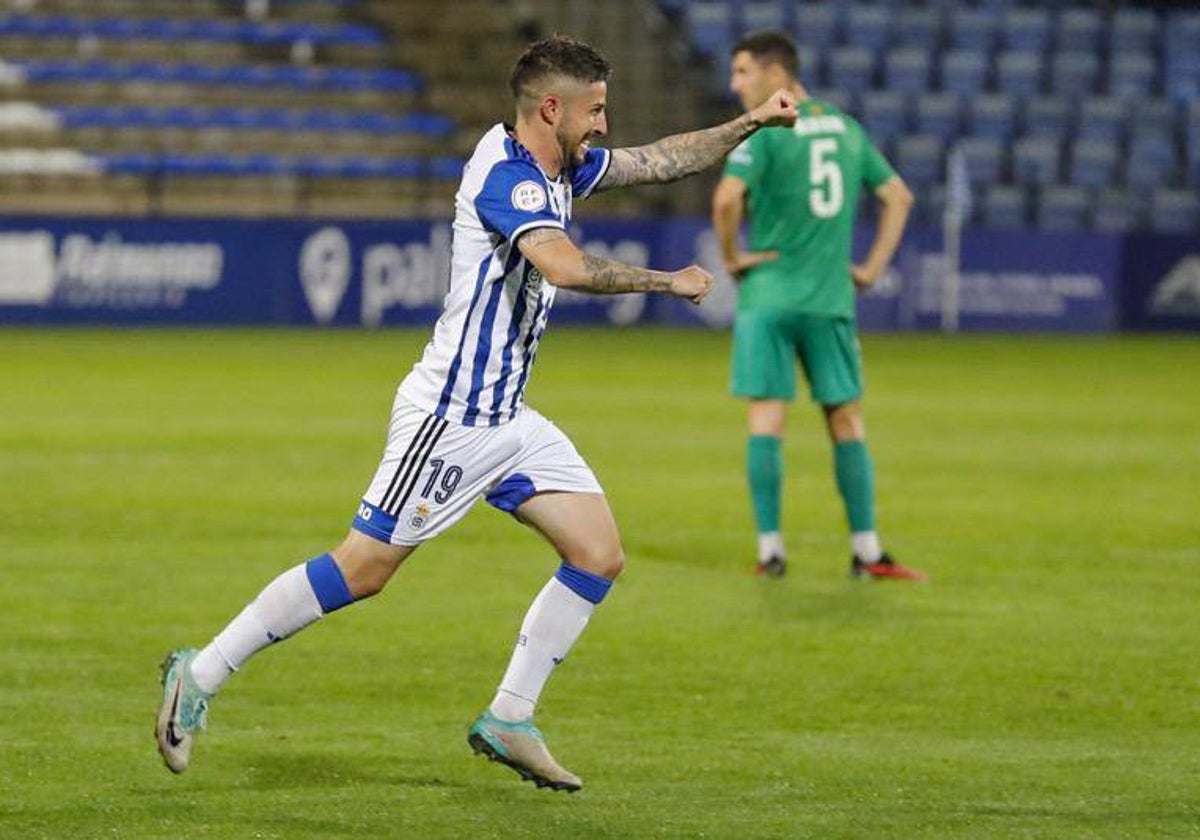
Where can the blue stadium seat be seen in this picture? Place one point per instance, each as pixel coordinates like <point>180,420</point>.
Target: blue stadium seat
<point>1181,81</point>
<point>764,14</point>
<point>1134,30</point>
<point>1036,160</point>
<point>884,115</point>
<point>992,115</point>
<point>1048,116</point>
<point>445,168</point>
<point>1079,29</point>
<point>869,26</point>
<point>817,25</point>
<point>917,26</point>
<point>1154,114</point>
<point>1093,164</point>
<point>1132,74</point>
<point>130,163</point>
<point>331,78</point>
<point>906,69</point>
<point>1019,73</point>
<point>187,29</point>
<point>1101,118</point>
<point>1005,208</point>
<point>972,28</point>
<point>840,99</point>
<point>811,71</point>
<point>939,114</point>
<point>1117,211</point>
<point>930,204</point>
<point>851,69</point>
<point>963,72</point>
<point>710,23</point>
<point>1151,162</point>
<point>1063,209</point>
<point>1074,73</point>
<point>1025,30</point>
<point>1174,211</point>
<point>919,159</point>
<point>985,159</point>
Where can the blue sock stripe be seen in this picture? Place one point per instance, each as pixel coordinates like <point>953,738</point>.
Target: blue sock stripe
<point>586,585</point>
<point>327,582</point>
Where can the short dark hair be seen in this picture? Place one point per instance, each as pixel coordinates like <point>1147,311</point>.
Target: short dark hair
<point>558,55</point>
<point>770,46</point>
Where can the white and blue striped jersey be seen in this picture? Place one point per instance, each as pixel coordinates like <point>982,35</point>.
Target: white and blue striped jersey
<point>474,369</point>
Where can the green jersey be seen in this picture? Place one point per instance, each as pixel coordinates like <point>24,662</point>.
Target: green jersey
<point>803,185</point>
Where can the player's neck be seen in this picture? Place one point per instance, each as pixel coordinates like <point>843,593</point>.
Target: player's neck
<point>543,145</point>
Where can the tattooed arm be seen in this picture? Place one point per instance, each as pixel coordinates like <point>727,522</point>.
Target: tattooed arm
<point>680,155</point>
<point>553,254</point>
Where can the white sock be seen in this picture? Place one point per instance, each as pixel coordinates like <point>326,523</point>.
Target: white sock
<point>866,546</point>
<point>555,619</point>
<point>770,545</point>
<point>286,605</point>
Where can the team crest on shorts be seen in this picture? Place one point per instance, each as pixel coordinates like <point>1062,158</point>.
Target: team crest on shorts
<point>419,517</point>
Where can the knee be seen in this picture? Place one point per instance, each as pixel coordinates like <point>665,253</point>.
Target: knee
<point>604,559</point>
<point>845,423</point>
<point>366,571</point>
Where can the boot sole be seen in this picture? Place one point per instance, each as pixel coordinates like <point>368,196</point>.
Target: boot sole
<point>480,746</point>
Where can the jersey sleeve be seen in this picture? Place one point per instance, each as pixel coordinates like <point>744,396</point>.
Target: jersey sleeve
<point>875,170</point>
<point>514,200</point>
<point>744,161</point>
<point>587,175</point>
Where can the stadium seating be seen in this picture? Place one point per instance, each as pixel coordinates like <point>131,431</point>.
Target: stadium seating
<point>939,114</point>
<point>1025,30</point>
<point>212,107</point>
<point>1004,207</point>
<point>963,71</point>
<point>1093,164</point>
<point>1036,160</point>
<point>1174,210</point>
<point>1117,211</point>
<point>1063,209</point>
<point>1071,114</point>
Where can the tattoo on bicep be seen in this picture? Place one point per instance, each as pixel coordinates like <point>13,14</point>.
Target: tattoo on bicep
<point>541,236</point>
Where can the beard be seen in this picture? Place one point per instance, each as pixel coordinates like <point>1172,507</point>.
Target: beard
<point>574,151</point>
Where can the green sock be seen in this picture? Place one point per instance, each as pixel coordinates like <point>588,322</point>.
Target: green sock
<point>856,483</point>
<point>764,468</point>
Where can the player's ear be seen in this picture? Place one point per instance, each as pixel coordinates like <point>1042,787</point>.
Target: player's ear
<point>551,108</point>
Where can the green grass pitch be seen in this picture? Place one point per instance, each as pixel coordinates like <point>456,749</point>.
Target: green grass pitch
<point>1043,685</point>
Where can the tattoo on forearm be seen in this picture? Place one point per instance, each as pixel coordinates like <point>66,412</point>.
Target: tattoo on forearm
<point>677,156</point>
<point>614,278</point>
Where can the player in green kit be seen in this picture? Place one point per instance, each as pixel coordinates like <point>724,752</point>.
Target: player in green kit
<point>800,187</point>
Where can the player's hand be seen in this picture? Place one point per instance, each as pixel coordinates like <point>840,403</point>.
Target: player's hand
<point>864,278</point>
<point>743,261</point>
<point>693,283</point>
<point>779,109</point>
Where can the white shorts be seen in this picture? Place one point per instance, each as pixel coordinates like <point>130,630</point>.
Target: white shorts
<point>434,471</point>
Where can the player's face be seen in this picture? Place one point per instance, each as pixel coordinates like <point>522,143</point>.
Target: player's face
<point>751,80</point>
<point>584,120</point>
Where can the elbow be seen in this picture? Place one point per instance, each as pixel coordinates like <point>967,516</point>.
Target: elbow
<point>903,196</point>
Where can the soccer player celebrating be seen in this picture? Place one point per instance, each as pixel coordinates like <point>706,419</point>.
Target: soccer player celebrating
<point>800,186</point>
<point>459,427</point>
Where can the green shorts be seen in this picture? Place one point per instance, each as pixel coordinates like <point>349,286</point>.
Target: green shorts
<point>766,343</point>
